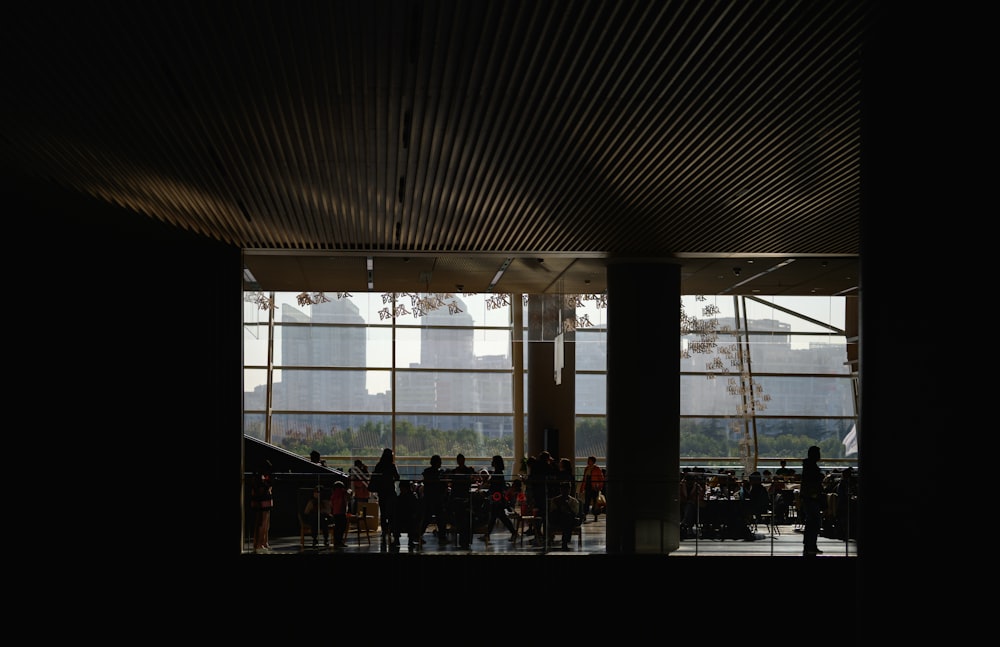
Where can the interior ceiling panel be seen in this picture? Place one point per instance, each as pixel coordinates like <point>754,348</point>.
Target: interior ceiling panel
<point>453,135</point>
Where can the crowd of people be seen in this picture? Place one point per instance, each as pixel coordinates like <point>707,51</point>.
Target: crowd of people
<point>824,502</point>
<point>459,501</point>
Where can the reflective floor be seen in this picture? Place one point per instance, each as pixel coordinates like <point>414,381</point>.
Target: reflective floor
<point>784,540</point>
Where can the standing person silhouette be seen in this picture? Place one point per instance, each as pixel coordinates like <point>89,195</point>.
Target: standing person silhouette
<point>496,490</point>
<point>540,475</point>
<point>461,486</point>
<point>383,483</point>
<point>262,501</point>
<point>811,492</point>
<point>590,486</point>
<point>435,500</point>
<point>340,504</point>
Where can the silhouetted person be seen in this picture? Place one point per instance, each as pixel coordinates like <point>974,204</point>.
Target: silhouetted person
<point>407,515</point>
<point>340,503</point>
<point>461,485</point>
<point>262,501</point>
<point>811,494</point>
<point>383,483</point>
<point>564,512</point>
<point>590,487</point>
<point>435,499</point>
<point>756,500</point>
<point>496,490</point>
<point>541,474</point>
<point>317,515</point>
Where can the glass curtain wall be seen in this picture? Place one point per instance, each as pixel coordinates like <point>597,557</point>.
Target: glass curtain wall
<point>349,374</point>
<point>762,379</point>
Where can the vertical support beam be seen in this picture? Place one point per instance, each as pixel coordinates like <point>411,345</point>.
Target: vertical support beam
<point>643,407</point>
<point>517,355</point>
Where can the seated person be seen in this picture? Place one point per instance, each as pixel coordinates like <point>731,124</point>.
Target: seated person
<point>321,509</point>
<point>756,499</point>
<point>784,470</point>
<point>781,497</point>
<point>564,512</point>
<point>692,497</point>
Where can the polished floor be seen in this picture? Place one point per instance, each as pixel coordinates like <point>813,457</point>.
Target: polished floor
<point>782,540</point>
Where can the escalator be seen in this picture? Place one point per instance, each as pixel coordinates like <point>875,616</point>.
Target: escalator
<point>294,478</point>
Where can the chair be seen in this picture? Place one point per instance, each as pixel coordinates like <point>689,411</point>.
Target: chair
<point>793,511</point>
<point>577,530</point>
<point>551,531</point>
<point>306,521</point>
<point>766,518</point>
<point>519,523</point>
<point>305,528</point>
<point>365,518</point>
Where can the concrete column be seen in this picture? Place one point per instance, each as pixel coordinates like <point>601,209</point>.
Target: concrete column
<point>643,407</point>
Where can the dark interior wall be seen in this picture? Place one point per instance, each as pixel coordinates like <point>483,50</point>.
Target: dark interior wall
<point>138,357</point>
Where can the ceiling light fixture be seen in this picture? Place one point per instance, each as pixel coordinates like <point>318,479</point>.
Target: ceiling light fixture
<point>499,274</point>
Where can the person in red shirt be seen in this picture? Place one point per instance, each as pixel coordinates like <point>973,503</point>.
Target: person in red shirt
<point>591,486</point>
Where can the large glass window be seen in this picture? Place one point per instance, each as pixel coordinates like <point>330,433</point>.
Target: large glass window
<point>765,378</point>
<point>349,374</point>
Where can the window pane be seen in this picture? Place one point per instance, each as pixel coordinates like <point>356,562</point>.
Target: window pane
<point>254,389</point>
<point>456,391</point>
<point>591,393</point>
<point>592,437</point>
<point>325,390</point>
<point>255,345</point>
<point>799,354</point>
<point>254,425</point>
<point>768,353</point>
<point>448,435</point>
<point>827,310</point>
<point>426,347</point>
<point>791,438</point>
<point>701,396</point>
<point>331,434</point>
<point>806,396</point>
<point>326,345</point>
<point>592,349</point>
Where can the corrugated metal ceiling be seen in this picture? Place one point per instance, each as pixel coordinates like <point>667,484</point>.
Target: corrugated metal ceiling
<point>426,134</point>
